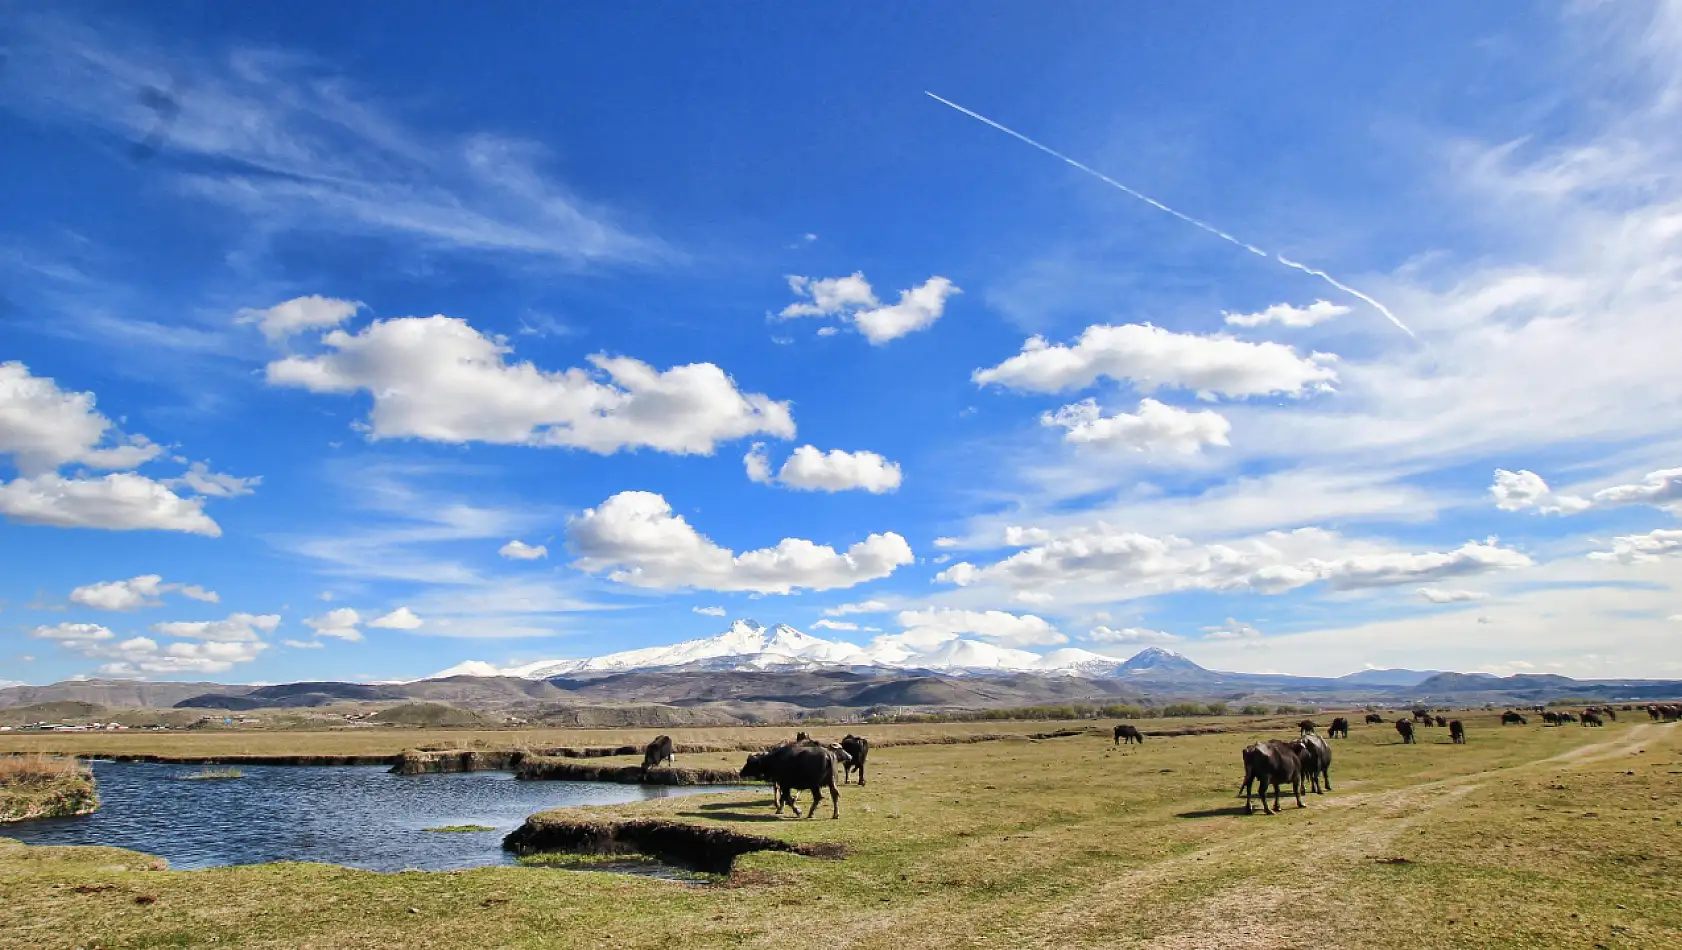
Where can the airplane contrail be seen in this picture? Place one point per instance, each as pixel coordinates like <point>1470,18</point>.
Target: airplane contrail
<point>1147,199</point>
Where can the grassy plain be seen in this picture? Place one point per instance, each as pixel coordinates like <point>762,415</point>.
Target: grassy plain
<point>1526,837</point>
<point>40,786</point>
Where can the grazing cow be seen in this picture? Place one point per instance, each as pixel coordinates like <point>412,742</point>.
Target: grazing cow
<point>1316,756</point>
<point>1510,718</point>
<point>657,752</point>
<point>1406,729</point>
<point>858,747</point>
<point>797,766</point>
<point>1374,718</point>
<point>1272,762</point>
<point>1306,726</point>
<point>1422,715</point>
<point>1593,719</point>
<point>1442,720</point>
<point>1566,717</point>
<point>1128,734</point>
<point>1457,732</point>
<point>1340,728</point>
<point>1551,718</point>
<point>1610,713</point>
<point>1427,722</point>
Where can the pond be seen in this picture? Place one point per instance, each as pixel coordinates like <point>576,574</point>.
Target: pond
<point>356,816</point>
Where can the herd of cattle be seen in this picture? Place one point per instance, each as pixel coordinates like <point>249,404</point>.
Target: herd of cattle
<point>805,764</point>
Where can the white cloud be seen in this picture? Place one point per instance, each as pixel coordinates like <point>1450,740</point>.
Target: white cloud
<point>300,314</point>
<point>1659,488</point>
<point>828,624</point>
<point>635,539</point>
<point>142,591</point>
<point>1013,630</point>
<point>1516,491</point>
<point>72,631</point>
<point>1231,630</point>
<point>43,428</point>
<point>1443,595</point>
<point>827,331</point>
<point>303,644</point>
<point>1286,315</point>
<point>862,607</point>
<point>142,655</point>
<point>120,501</point>
<point>946,542</point>
<point>339,623</point>
<point>709,611</point>
<point>518,550</point>
<point>237,628</point>
<point>1156,428</point>
<point>1379,570</point>
<point>1634,548</point>
<point>400,619</point>
<point>437,378</point>
<point>811,469</point>
<point>196,592</point>
<point>852,299</point>
<point>1150,358</point>
<point>1133,636</point>
<point>201,480</point>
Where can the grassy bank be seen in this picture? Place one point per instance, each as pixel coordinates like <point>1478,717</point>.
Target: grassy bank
<point>1526,837</point>
<point>38,786</point>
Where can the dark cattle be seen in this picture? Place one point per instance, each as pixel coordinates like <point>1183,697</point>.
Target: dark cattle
<point>1340,728</point>
<point>1128,734</point>
<point>1405,728</point>
<point>1422,715</point>
<point>1510,718</point>
<point>1610,713</point>
<point>1457,732</point>
<point>657,752</point>
<point>1551,718</point>
<point>1442,720</point>
<point>858,747</point>
<point>1276,763</point>
<point>1306,726</point>
<point>1593,719</point>
<point>1315,754</point>
<point>1567,717</point>
<point>1374,718</point>
<point>798,766</point>
<point>1427,722</point>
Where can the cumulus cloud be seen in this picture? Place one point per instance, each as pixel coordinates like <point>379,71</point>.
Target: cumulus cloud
<point>1231,630</point>
<point>852,299</point>
<point>518,550</point>
<point>1635,548</point>
<point>298,315</point>
<point>1517,491</point>
<point>1007,629</point>
<point>303,644</point>
<point>72,631</point>
<point>1150,358</point>
<point>43,428</point>
<point>120,501</point>
<point>146,590</point>
<point>438,379</point>
<point>1155,428</point>
<point>862,607</point>
<point>811,469</point>
<point>1443,595</point>
<point>141,656</point>
<point>1104,560</point>
<point>1661,488</point>
<point>1130,636</point>
<point>709,611</point>
<point>400,619</point>
<point>1285,315</point>
<point>339,624</point>
<point>237,628</point>
<point>200,480</point>
<point>828,624</point>
<point>636,539</point>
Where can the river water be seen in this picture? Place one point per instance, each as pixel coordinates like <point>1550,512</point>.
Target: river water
<point>357,816</point>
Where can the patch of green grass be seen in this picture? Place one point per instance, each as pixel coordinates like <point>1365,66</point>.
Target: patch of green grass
<point>461,828</point>
<point>211,774</point>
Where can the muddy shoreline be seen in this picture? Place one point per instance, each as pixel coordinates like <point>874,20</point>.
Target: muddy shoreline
<point>713,850</point>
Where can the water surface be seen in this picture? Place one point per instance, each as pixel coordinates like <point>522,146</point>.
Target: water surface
<point>357,816</point>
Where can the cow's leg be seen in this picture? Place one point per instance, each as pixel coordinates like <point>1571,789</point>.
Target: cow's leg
<point>834,799</point>
<point>861,771</point>
<point>1250,809</point>
<point>1296,789</point>
<point>1327,772</point>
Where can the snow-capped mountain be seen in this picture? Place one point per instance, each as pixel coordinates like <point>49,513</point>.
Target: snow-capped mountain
<point>750,646</point>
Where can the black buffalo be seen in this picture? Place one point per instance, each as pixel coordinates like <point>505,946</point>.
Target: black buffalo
<point>1340,728</point>
<point>1316,756</point>
<point>1442,720</point>
<point>657,752</point>
<point>1373,718</point>
<point>1457,732</point>
<point>1306,726</point>
<point>1510,718</point>
<point>1593,719</point>
<point>1406,729</point>
<point>797,766</point>
<point>1129,734</point>
<point>858,747</point>
<point>1422,715</point>
<point>1276,763</point>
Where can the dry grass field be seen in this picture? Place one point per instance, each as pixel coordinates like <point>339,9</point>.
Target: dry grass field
<point>1526,837</point>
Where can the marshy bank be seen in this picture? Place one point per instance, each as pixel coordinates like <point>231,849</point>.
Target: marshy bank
<point>34,787</point>
<point>707,848</point>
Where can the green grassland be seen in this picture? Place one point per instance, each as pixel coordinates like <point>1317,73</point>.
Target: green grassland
<point>1526,837</point>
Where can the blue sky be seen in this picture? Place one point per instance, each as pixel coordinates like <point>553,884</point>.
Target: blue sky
<point>316,310</point>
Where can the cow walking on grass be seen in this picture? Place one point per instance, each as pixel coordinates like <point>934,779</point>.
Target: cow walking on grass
<point>658,752</point>
<point>858,747</point>
<point>1374,718</point>
<point>1405,728</point>
<point>1457,732</point>
<point>1339,729</point>
<point>1593,719</point>
<point>1315,754</point>
<point>1276,763</point>
<point>1306,726</point>
<point>797,766</point>
<point>1510,718</point>
<point>1128,734</point>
